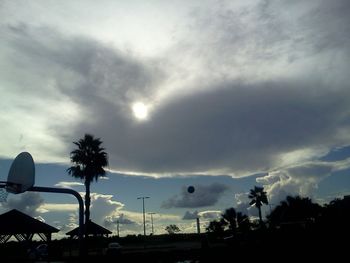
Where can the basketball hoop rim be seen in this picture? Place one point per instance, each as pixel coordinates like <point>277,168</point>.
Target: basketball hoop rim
<point>11,187</point>
<point>14,188</point>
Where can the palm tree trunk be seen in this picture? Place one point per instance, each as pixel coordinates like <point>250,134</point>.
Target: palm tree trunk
<point>87,201</point>
<point>260,217</point>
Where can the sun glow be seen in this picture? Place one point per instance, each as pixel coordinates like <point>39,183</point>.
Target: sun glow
<point>140,110</point>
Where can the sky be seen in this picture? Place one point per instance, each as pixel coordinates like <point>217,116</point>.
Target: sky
<point>221,95</point>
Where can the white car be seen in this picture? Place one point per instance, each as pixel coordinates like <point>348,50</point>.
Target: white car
<point>113,248</point>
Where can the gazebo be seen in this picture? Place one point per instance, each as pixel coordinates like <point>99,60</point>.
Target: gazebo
<point>90,229</point>
<point>23,227</point>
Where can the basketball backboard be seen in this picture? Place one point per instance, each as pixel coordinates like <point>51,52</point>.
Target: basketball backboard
<point>21,176</point>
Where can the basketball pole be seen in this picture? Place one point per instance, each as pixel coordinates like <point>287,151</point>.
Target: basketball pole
<point>81,207</point>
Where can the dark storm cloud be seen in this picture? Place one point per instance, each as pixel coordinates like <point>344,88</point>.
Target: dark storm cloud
<point>238,127</point>
<point>190,215</point>
<point>221,125</point>
<point>204,195</point>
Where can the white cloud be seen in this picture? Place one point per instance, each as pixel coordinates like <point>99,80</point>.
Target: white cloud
<point>65,184</point>
<point>103,206</point>
<point>54,207</point>
<point>68,226</point>
<point>28,203</point>
<point>40,218</point>
<point>190,215</point>
<point>300,179</point>
<point>210,215</point>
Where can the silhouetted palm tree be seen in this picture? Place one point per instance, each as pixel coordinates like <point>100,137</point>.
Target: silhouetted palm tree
<point>230,216</point>
<point>295,210</point>
<point>89,162</point>
<point>259,197</point>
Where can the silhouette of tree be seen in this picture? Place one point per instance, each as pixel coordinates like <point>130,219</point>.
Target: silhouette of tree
<point>295,209</point>
<point>217,227</point>
<point>243,222</point>
<point>230,216</point>
<point>89,161</point>
<point>172,229</point>
<point>259,197</point>
<point>336,214</point>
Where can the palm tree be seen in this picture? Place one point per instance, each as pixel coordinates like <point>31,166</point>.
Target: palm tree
<point>89,160</point>
<point>259,197</point>
<point>295,209</point>
<point>230,216</point>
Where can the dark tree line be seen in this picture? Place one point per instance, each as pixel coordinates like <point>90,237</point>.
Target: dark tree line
<point>295,212</point>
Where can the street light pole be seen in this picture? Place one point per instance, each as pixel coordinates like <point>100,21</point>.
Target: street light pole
<point>143,211</point>
<point>152,221</point>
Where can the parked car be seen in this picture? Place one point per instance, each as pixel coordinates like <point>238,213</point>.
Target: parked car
<point>38,253</point>
<point>113,249</point>
<point>42,251</point>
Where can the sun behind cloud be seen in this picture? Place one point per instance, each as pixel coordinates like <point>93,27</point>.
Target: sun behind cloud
<point>140,110</point>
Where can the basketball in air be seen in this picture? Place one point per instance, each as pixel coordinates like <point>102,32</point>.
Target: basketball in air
<point>190,189</point>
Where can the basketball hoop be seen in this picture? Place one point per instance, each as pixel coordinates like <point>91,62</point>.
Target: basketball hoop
<point>8,187</point>
<point>21,176</point>
<point>13,188</point>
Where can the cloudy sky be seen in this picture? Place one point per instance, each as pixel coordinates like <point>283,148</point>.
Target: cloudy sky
<point>222,95</point>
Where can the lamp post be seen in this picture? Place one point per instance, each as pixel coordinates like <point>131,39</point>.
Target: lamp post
<point>152,221</point>
<point>143,211</point>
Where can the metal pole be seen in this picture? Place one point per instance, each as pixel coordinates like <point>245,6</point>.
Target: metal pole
<point>144,221</point>
<point>143,211</point>
<point>198,226</point>
<point>152,221</point>
<point>81,207</point>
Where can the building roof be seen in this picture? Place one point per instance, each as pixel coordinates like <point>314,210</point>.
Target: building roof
<point>92,229</point>
<point>16,222</point>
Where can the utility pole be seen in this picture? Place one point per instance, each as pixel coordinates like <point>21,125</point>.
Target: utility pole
<point>152,221</point>
<point>143,211</point>
<point>118,227</point>
<point>198,225</point>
